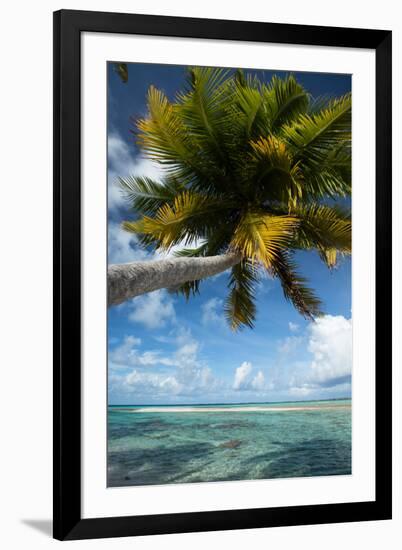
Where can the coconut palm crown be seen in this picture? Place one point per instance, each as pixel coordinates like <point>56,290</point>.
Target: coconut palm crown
<point>251,168</point>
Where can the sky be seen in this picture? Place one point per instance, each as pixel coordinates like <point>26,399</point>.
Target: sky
<point>163,349</point>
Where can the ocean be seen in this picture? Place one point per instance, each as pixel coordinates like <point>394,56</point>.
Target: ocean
<point>155,445</point>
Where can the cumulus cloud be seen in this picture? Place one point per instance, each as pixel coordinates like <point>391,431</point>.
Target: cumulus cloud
<point>192,372</point>
<point>123,246</point>
<point>329,340</point>
<point>258,382</point>
<point>244,380</point>
<point>153,310</point>
<point>331,345</point>
<point>187,375</point>
<point>316,361</point>
<point>155,384</point>
<point>127,354</point>
<point>242,375</point>
<point>316,365</point>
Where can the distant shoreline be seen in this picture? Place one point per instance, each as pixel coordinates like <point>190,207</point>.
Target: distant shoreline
<point>228,408</point>
<point>218,406</point>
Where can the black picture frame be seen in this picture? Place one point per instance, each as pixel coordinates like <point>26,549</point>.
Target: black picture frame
<point>68,522</point>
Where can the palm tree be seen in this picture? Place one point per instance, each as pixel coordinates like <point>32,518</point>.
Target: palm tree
<point>252,173</point>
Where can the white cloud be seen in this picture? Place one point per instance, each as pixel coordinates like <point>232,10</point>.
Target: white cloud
<point>188,375</point>
<point>210,311</point>
<point>314,391</point>
<point>258,382</point>
<point>302,391</point>
<point>155,384</point>
<point>316,365</point>
<point>153,310</point>
<point>242,376</point>
<point>331,345</point>
<point>192,372</point>
<point>155,357</point>
<point>293,327</point>
<point>329,340</point>
<point>244,380</point>
<point>123,246</point>
<point>316,361</point>
<point>123,162</point>
<point>127,355</point>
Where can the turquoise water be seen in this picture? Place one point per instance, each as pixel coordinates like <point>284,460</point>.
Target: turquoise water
<point>183,444</point>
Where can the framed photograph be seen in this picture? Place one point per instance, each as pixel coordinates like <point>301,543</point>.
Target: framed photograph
<point>222,275</point>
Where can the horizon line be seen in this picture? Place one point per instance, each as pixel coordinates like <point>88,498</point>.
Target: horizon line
<point>217,404</point>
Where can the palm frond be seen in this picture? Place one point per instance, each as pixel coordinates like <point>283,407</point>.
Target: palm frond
<point>323,129</point>
<point>324,228</point>
<point>216,241</point>
<point>192,252</point>
<point>201,107</point>
<point>202,110</point>
<point>261,237</point>
<point>187,289</point>
<point>318,103</point>
<point>146,195</point>
<point>239,78</point>
<point>247,110</point>
<point>162,134</point>
<point>122,70</point>
<point>329,256</point>
<point>271,154</point>
<point>240,307</point>
<point>340,161</point>
<point>286,100</point>
<point>185,136</point>
<point>325,182</point>
<point>276,177</point>
<point>185,221</point>
<point>313,138</point>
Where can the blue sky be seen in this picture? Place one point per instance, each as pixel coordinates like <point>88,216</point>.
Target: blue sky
<point>163,349</point>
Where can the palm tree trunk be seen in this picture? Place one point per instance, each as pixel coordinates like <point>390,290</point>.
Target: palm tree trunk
<point>126,281</point>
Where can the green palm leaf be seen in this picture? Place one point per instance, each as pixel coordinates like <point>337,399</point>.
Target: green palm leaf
<point>192,252</point>
<point>247,110</point>
<point>311,135</point>
<point>202,106</point>
<point>185,221</point>
<point>146,195</point>
<point>261,237</point>
<point>240,307</point>
<point>286,100</point>
<point>122,70</point>
<point>277,177</point>
<point>162,134</point>
<point>313,139</point>
<point>324,227</point>
<point>190,288</point>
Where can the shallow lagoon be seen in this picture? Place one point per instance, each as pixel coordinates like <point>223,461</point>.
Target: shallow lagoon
<point>183,444</point>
